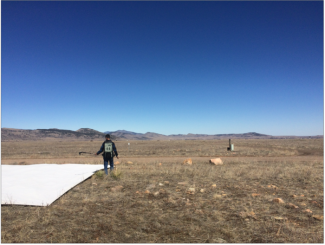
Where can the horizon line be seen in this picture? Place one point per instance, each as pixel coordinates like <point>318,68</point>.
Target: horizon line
<point>175,134</point>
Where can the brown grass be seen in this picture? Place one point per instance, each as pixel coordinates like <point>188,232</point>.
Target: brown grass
<point>96,211</point>
<point>187,148</point>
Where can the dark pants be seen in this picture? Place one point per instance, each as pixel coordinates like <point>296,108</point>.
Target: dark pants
<point>111,164</point>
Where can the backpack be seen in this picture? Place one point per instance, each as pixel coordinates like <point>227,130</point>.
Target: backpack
<point>108,149</point>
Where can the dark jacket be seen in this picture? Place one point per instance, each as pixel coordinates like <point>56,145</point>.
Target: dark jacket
<point>102,149</point>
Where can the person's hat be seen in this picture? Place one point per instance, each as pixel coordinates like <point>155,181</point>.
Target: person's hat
<point>107,136</point>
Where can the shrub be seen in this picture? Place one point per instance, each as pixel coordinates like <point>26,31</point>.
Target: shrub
<point>116,174</point>
<point>100,174</point>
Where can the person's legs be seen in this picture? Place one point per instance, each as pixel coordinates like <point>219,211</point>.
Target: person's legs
<point>105,166</point>
<point>111,164</point>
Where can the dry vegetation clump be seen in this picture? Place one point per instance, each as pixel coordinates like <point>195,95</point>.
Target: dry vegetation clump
<point>177,203</point>
<point>100,174</point>
<point>116,174</point>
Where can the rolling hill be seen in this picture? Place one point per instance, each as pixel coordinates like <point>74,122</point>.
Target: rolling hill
<point>83,134</point>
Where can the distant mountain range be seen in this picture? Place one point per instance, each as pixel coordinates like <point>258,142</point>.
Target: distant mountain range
<point>128,135</point>
<point>10,134</point>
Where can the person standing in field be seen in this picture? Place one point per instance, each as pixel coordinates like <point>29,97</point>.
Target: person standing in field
<point>109,150</point>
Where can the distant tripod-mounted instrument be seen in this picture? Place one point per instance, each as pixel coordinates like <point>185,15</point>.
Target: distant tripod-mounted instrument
<point>231,146</point>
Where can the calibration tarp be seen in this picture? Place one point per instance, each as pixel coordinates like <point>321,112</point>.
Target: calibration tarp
<point>41,184</point>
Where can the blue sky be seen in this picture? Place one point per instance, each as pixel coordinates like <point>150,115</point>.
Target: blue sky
<point>164,67</point>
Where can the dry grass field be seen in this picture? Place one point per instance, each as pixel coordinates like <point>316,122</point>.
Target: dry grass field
<point>157,199</point>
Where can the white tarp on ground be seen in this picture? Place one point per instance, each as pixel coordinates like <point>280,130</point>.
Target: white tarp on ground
<point>41,184</point>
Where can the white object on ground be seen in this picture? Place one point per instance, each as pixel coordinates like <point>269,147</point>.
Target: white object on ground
<point>41,184</point>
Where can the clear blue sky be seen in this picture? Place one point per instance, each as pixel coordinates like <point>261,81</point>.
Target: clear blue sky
<point>164,67</point>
